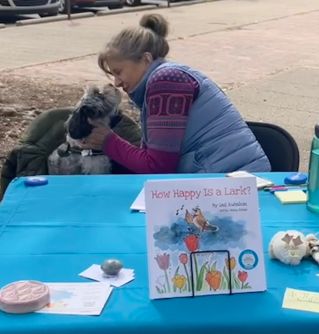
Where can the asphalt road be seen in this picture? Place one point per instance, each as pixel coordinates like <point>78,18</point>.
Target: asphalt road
<point>10,21</point>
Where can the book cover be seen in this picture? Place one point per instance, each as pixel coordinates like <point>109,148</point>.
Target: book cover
<point>203,237</point>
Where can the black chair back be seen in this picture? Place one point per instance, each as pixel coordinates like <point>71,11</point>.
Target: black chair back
<point>278,144</point>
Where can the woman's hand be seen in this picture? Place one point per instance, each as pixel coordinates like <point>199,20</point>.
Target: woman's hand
<point>97,137</point>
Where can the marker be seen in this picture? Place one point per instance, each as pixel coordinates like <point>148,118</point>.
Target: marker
<point>286,188</point>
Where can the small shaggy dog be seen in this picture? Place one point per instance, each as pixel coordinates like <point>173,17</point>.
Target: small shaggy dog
<point>69,158</point>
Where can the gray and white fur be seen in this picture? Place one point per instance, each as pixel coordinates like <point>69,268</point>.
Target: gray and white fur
<point>69,158</point>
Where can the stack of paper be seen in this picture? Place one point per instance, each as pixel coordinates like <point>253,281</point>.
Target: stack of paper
<point>260,182</point>
<point>291,196</point>
<point>139,202</point>
<point>95,273</point>
<point>301,300</point>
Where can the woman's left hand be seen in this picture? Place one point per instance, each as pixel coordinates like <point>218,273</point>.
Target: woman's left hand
<point>97,137</point>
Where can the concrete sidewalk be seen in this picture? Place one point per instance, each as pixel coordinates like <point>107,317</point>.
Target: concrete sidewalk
<point>264,53</point>
<point>36,44</point>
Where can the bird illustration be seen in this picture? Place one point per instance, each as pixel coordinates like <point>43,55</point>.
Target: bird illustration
<point>188,217</point>
<point>199,220</point>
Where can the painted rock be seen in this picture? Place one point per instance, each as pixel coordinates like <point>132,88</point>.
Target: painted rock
<point>111,267</point>
<point>24,297</point>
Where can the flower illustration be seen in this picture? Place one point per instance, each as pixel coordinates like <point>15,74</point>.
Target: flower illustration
<point>179,281</point>
<point>231,264</point>
<point>242,276</point>
<point>214,278</point>
<point>163,263</point>
<point>191,242</point>
<point>183,258</point>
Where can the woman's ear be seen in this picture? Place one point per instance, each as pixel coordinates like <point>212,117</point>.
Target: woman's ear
<point>148,58</point>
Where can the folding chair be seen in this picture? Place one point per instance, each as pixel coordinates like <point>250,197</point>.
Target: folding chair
<point>278,144</point>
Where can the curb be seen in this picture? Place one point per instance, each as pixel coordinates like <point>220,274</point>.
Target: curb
<point>152,5</point>
<point>53,19</point>
<point>189,3</point>
<point>125,10</point>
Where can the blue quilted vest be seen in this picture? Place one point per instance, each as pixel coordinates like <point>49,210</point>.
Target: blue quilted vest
<point>217,139</point>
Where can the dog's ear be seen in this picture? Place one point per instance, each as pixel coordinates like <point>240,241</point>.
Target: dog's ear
<point>111,95</point>
<point>88,93</point>
<point>91,91</point>
<point>78,126</point>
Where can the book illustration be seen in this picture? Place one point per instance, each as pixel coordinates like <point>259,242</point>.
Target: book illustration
<point>199,220</point>
<point>203,237</point>
<point>190,232</point>
<point>206,227</point>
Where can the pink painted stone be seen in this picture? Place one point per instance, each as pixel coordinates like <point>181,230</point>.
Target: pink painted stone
<point>24,297</point>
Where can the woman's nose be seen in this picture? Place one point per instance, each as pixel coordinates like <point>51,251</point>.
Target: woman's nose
<point>117,82</point>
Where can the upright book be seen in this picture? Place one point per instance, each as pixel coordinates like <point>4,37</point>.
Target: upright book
<point>203,237</point>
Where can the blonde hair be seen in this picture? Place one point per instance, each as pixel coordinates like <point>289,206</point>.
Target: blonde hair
<point>132,43</point>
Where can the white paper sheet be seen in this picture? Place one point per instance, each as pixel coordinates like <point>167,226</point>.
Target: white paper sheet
<point>77,298</point>
<point>260,182</point>
<point>95,273</point>
<point>139,202</point>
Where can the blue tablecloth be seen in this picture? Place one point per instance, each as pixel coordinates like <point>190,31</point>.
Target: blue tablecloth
<point>51,233</point>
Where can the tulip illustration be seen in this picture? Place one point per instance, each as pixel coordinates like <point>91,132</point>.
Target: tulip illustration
<point>179,281</point>
<point>183,258</point>
<point>213,278</point>
<point>163,263</point>
<point>231,264</point>
<point>242,276</point>
<point>192,244</point>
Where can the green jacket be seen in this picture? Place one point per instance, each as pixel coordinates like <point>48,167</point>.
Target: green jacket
<point>44,135</point>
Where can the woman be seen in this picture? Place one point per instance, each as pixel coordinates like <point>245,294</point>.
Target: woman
<point>188,123</point>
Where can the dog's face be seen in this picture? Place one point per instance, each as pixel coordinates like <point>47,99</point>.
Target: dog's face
<point>94,104</point>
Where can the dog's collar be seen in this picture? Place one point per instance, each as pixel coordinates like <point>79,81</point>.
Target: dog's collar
<point>65,150</point>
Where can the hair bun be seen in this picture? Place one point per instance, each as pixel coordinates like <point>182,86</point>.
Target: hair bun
<point>155,22</point>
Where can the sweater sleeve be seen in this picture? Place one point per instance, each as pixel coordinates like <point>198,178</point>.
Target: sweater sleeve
<point>140,160</point>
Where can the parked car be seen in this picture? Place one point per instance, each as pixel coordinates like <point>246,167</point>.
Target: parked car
<point>111,4</point>
<point>41,7</point>
<point>132,3</point>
